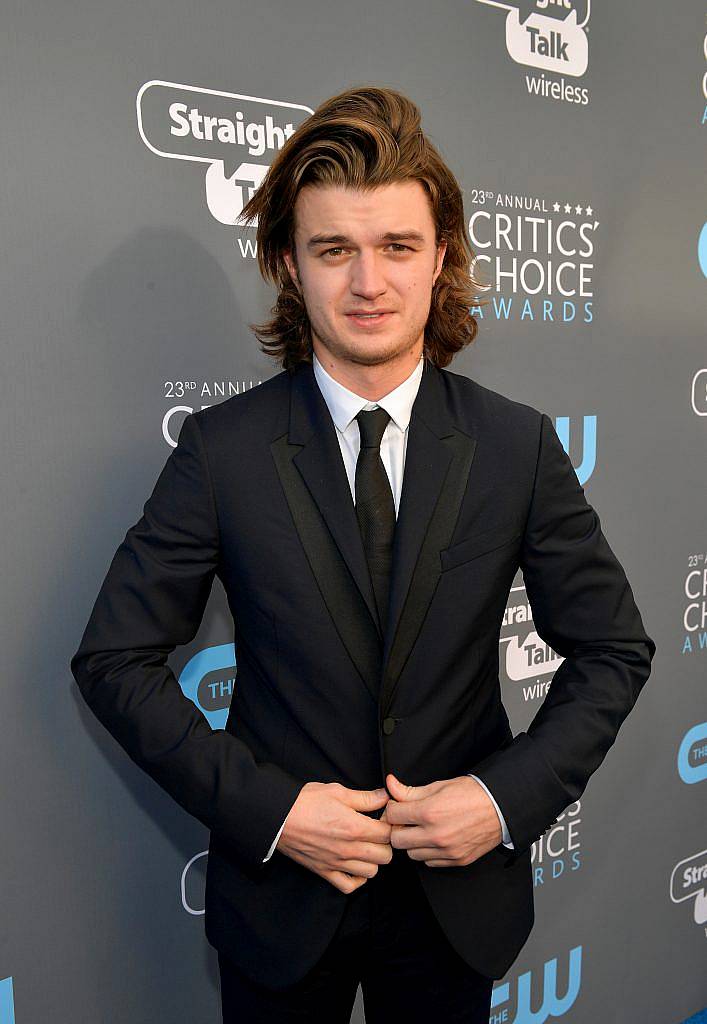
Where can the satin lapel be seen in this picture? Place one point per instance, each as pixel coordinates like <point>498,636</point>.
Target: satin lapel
<point>313,476</point>
<point>437,464</point>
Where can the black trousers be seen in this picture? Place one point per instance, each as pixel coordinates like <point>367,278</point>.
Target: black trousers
<point>389,941</point>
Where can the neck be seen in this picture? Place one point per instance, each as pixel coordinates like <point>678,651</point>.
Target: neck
<point>370,381</point>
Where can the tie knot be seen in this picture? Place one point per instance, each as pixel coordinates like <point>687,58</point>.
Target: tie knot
<point>371,425</point>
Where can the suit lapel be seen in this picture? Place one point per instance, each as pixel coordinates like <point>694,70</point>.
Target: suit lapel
<point>311,470</point>
<point>437,464</point>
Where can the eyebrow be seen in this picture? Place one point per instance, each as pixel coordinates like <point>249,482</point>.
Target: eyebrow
<point>389,236</point>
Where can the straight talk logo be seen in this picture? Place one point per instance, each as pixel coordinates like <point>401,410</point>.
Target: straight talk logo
<point>235,136</point>
<point>550,35</point>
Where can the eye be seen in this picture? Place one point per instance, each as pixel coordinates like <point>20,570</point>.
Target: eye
<point>399,247</point>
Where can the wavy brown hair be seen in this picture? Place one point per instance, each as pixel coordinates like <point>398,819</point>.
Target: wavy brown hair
<point>362,138</point>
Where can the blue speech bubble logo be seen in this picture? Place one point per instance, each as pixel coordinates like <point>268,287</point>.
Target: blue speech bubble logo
<point>702,249</point>
<point>208,679</point>
<point>692,755</point>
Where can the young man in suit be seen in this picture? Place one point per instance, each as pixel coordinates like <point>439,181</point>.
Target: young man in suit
<point>371,813</point>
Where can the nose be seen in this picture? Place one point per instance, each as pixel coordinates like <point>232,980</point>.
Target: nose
<point>367,277</point>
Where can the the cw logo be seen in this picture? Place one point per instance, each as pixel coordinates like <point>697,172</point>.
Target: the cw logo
<point>551,1005</point>
<point>7,1002</point>
<point>589,444</point>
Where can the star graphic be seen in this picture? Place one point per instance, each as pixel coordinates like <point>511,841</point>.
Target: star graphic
<point>590,211</point>
<point>568,208</point>
<point>578,209</point>
<point>556,207</point>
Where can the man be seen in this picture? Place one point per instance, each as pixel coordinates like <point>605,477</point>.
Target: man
<point>371,813</point>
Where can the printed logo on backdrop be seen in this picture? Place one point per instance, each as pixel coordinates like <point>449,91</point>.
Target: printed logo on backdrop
<point>698,393</point>
<point>558,852</point>
<point>208,679</point>
<point>529,661</point>
<point>532,998</point>
<point>233,136</point>
<point>688,884</point>
<point>702,245</point>
<point>704,79</point>
<point>694,617</point>
<point>551,36</point>
<point>692,755</point>
<point>186,396</point>
<point>7,1002</point>
<point>539,252</point>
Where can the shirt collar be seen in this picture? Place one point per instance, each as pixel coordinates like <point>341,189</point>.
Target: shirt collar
<point>344,405</point>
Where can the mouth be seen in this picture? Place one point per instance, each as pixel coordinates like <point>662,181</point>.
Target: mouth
<point>368,319</point>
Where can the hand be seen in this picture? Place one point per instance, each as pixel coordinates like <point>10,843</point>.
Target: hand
<point>327,832</point>
<point>445,824</point>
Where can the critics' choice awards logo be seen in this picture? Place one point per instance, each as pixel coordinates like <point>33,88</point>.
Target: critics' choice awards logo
<point>234,136</point>
<point>704,79</point>
<point>558,850</point>
<point>694,618</point>
<point>550,35</point>
<point>539,252</point>
<point>688,883</point>
<point>692,755</point>
<point>186,396</point>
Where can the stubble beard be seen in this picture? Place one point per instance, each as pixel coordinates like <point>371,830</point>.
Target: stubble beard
<point>370,351</point>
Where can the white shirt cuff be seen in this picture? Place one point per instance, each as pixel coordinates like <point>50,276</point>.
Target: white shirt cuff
<point>272,848</point>
<point>506,837</point>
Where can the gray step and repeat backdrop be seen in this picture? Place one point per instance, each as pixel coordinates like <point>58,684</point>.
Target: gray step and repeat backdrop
<point>577,131</point>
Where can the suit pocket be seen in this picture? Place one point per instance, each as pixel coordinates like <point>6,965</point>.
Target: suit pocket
<point>480,544</point>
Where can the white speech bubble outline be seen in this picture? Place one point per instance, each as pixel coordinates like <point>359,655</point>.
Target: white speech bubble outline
<point>693,390</point>
<point>680,864</point>
<point>207,92</point>
<point>514,7</point>
<point>519,51</point>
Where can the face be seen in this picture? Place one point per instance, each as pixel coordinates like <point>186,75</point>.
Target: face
<point>360,252</point>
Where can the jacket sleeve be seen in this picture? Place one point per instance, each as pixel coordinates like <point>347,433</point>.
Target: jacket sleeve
<point>583,607</point>
<point>152,599</point>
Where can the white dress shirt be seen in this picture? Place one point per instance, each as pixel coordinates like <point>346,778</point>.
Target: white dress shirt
<point>344,405</point>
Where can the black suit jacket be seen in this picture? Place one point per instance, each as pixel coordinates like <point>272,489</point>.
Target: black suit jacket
<point>256,493</point>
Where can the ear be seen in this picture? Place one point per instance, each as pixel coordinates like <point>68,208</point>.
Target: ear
<point>441,250</point>
<point>292,270</point>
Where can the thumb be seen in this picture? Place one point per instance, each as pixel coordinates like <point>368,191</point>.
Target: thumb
<point>399,791</point>
<point>366,799</point>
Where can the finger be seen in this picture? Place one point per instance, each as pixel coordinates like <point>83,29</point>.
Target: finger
<point>429,854</point>
<point>365,799</point>
<point>371,830</point>
<point>345,883</point>
<point>409,837</point>
<point>408,813</point>
<point>374,853</point>
<point>360,868</point>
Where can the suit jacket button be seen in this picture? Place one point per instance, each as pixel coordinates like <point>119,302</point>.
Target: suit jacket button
<point>388,725</point>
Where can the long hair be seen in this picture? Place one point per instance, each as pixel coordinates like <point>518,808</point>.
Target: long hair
<point>362,138</point>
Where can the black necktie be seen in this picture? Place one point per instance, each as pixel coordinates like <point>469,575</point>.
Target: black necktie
<point>375,508</point>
